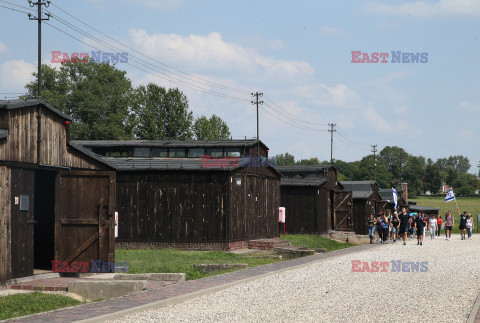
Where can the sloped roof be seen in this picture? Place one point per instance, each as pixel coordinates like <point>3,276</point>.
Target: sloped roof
<point>302,181</point>
<point>358,185</point>
<point>21,104</point>
<point>134,164</point>
<point>169,143</point>
<point>386,194</point>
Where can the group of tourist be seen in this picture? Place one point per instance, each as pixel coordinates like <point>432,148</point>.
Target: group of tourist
<point>393,226</point>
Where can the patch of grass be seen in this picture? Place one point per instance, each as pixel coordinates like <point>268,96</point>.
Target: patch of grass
<point>315,242</point>
<point>177,261</point>
<point>30,303</point>
<point>469,204</point>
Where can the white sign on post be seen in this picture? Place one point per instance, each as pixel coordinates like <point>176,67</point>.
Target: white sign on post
<point>17,200</point>
<point>116,224</point>
<point>281,214</point>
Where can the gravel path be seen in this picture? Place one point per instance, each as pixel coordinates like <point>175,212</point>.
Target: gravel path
<point>329,290</point>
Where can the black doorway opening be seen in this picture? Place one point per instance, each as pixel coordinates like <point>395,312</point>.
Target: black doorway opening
<point>44,233</point>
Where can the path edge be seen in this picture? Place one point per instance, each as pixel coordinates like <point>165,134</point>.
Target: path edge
<point>474,311</point>
<point>211,290</point>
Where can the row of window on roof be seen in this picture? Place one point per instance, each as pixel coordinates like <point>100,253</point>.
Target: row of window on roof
<point>167,152</point>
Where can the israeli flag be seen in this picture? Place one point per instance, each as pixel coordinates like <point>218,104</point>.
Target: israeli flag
<point>395,197</point>
<point>450,196</point>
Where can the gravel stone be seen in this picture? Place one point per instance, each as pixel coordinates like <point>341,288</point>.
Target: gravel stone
<point>329,291</point>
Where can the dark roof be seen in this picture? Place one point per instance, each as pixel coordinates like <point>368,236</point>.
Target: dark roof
<point>357,185</point>
<point>420,208</point>
<point>21,104</point>
<point>300,171</point>
<point>3,133</point>
<point>90,154</point>
<point>386,194</point>
<point>361,194</point>
<point>302,181</point>
<point>134,164</point>
<point>170,143</point>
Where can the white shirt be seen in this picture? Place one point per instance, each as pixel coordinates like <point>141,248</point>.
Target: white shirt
<point>433,222</point>
<point>470,223</point>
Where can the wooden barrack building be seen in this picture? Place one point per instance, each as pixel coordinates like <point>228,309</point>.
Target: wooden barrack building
<point>57,200</point>
<point>206,195</point>
<point>314,200</point>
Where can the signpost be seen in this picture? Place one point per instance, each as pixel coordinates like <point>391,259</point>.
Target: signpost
<point>281,218</point>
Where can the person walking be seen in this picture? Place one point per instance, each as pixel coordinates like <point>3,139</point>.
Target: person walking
<point>420,227</point>
<point>432,225</point>
<point>404,225</point>
<point>439,225</point>
<point>395,225</point>
<point>449,223</point>
<point>371,227</point>
<point>384,226</point>
<point>470,226</point>
<point>463,224</point>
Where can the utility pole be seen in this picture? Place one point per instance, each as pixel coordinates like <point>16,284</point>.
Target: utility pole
<point>256,95</point>
<point>374,150</point>
<point>39,18</point>
<point>331,130</point>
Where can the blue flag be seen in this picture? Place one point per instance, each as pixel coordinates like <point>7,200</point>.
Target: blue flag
<point>450,196</point>
<point>395,197</point>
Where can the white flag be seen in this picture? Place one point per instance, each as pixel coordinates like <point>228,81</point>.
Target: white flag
<point>450,196</point>
<point>395,197</point>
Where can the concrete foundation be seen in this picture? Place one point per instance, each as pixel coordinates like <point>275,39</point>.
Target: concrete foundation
<point>94,290</point>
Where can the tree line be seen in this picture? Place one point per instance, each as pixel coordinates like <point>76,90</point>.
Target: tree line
<point>394,165</point>
<point>105,106</point>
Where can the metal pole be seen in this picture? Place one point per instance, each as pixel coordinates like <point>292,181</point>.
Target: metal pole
<point>331,140</point>
<point>374,150</point>
<point>256,102</point>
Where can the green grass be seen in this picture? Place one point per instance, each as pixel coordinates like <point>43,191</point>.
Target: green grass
<point>315,242</point>
<point>25,304</point>
<point>469,204</point>
<point>177,261</point>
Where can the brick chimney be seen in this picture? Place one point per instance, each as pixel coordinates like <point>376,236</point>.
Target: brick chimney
<point>404,187</point>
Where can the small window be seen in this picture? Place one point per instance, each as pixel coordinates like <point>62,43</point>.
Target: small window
<point>141,152</point>
<point>176,152</point>
<point>196,152</point>
<point>159,152</point>
<point>215,152</point>
<point>232,152</point>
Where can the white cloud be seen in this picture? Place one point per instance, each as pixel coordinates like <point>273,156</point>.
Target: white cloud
<point>3,48</point>
<point>381,124</point>
<point>15,74</point>
<point>211,53</point>
<point>424,9</point>
<point>468,106</point>
<point>320,94</point>
<point>331,31</point>
<point>402,110</point>
<point>155,4</point>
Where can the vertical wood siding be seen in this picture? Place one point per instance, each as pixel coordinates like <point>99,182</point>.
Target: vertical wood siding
<point>5,224</point>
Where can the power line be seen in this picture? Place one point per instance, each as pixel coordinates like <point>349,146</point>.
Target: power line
<point>294,116</point>
<point>332,130</point>
<point>196,88</point>
<point>14,9</point>
<point>291,122</point>
<point>187,75</point>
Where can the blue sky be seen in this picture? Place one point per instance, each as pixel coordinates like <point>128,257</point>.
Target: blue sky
<point>299,55</point>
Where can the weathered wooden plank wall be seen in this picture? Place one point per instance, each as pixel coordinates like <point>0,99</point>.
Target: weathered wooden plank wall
<point>253,211</point>
<point>301,208</point>
<point>362,208</point>
<point>5,223</point>
<point>23,183</point>
<point>171,206</point>
<point>21,143</point>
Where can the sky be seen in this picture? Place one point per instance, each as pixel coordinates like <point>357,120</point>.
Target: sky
<point>297,53</point>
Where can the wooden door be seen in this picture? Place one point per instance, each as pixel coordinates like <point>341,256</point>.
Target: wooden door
<point>22,222</point>
<point>342,210</point>
<point>84,222</point>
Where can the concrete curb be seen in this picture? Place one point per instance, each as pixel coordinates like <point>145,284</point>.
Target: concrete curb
<point>474,311</point>
<point>211,290</point>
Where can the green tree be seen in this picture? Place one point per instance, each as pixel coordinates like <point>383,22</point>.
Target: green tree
<point>309,162</point>
<point>98,96</point>
<point>414,174</point>
<point>433,178</point>
<point>465,184</point>
<point>285,159</point>
<point>395,159</point>
<point>162,114</point>
<point>346,170</point>
<point>366,172</point>
<point>210,129</point>
<point>458,162</point>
